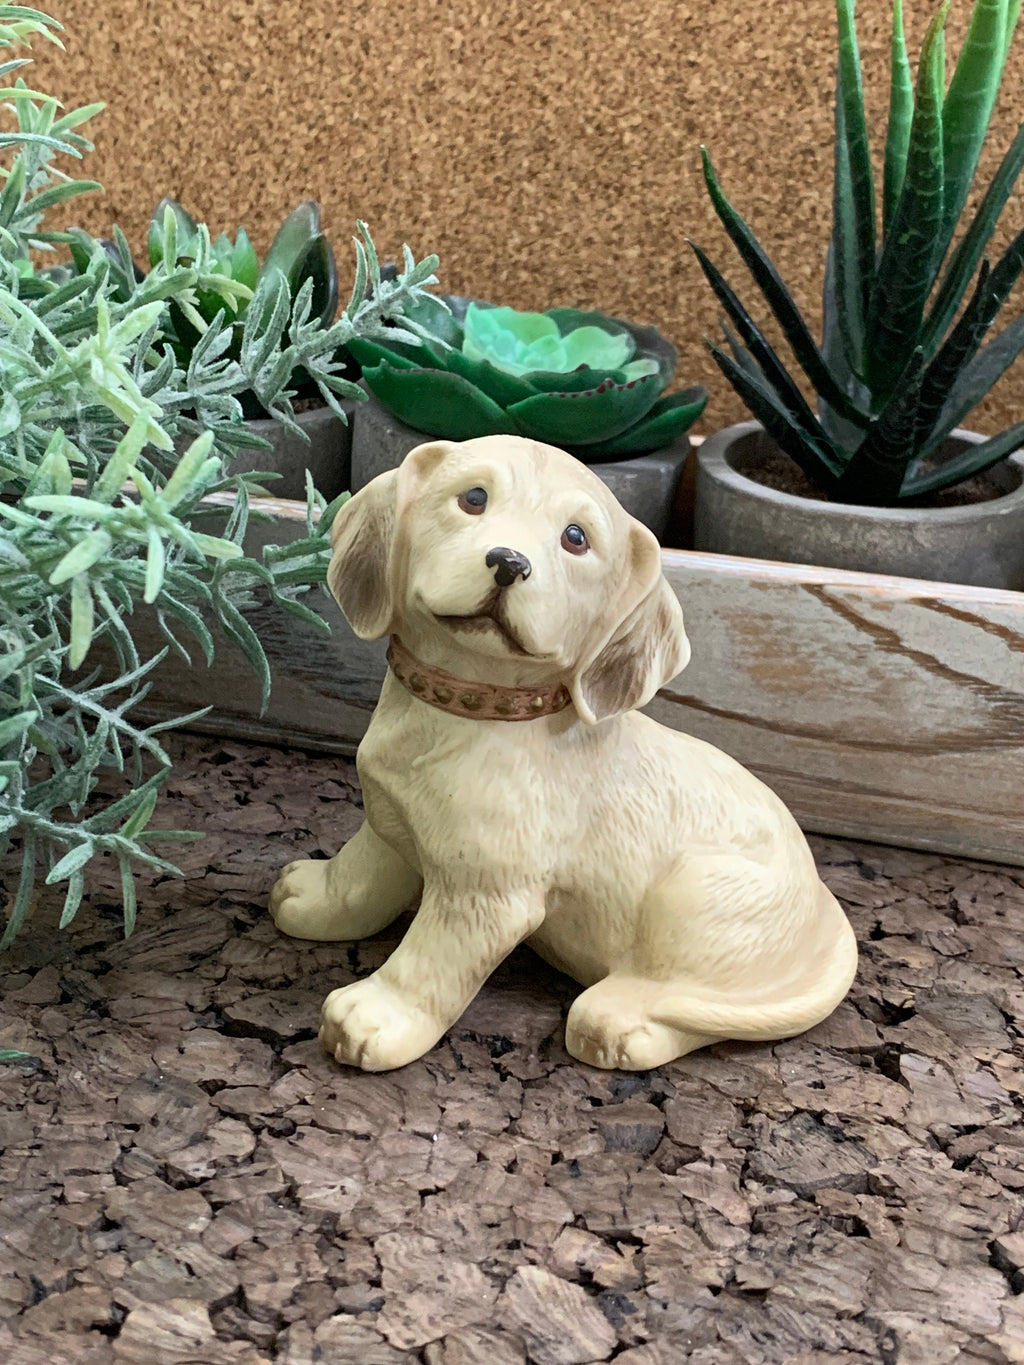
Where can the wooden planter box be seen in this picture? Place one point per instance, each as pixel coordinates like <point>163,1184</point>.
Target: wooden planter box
<point>879,708</point>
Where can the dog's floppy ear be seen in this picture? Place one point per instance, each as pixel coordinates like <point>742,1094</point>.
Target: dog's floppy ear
<point>362,541</point>
<point>363,571</point>
<point>422,461</point>
<point>645,649</point>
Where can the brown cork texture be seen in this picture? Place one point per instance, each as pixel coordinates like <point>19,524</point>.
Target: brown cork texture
<point>548,151</point>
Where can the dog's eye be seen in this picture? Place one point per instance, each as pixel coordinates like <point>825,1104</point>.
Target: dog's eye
<point>473,501</point>
<point>574,539</point>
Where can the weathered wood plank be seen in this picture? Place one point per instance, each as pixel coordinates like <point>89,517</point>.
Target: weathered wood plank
<point>880,708</point>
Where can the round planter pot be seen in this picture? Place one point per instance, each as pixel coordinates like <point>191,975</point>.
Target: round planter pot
<point>980,543</point>
<point>327,454</point>
<point>646,485</point>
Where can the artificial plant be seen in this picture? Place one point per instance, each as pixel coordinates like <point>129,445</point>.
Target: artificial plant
<point>299,252</point>
<point>99,514</point>
<point>586,381</point>
<point>903,357</point>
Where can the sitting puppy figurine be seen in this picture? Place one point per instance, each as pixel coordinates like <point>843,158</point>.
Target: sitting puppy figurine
<point>511,786</point>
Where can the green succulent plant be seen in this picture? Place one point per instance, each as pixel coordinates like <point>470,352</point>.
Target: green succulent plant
<point>299,253</point>
<point>902,360</point>
<point>585,381</point>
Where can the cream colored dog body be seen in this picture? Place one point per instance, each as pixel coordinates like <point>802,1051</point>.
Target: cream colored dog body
<point>648,865</point>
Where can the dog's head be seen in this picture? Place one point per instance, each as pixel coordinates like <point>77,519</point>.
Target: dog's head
<point>512,550</point>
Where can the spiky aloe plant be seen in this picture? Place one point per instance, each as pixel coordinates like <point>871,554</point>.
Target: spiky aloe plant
<point>902,360</point>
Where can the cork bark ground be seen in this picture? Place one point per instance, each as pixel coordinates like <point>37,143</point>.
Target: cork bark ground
<point>186,1180</point>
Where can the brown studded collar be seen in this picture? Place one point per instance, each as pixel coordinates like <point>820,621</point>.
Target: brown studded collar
<point>472,700</point>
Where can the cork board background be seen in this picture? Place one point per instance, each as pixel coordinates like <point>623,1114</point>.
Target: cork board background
<point>546,149</point>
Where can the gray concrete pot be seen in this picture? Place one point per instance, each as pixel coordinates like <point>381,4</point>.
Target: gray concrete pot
<point>980,544</point>
<point>646,485</point>
<point>327,454</point>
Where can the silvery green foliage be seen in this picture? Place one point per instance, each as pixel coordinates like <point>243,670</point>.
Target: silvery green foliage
<point>100,512</point>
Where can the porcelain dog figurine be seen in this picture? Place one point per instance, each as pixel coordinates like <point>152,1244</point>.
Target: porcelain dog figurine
<point>511,786</point>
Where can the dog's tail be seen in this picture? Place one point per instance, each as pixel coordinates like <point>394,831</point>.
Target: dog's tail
<point>777,1008</point>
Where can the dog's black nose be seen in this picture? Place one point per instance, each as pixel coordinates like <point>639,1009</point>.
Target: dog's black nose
<point>508,565</point>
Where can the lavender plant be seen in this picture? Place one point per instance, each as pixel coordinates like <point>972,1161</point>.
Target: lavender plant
<point>99,513</point>
<point>299,251</point>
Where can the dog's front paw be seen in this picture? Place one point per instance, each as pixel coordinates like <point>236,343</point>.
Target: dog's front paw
<point>371,1025</point>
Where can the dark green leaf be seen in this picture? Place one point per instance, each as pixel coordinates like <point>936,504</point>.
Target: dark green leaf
<point>992,290</point>
<point>901,112</point>
<point>958,348</point>
<point>857,153</point>
<point>318,265</point>
<point>438,403</point>
<point>400,354</point>
<point>740,353</point>
<point>875,473</point>
<point>293,239</point>
<point>843,434</point>
<point>776,296</point>
<point>816,459</point>
<point>663,425</point>
<point>976,378</point>
<point>975,459</point>
<point>968,254</point>
<point>575,381</point>
<point>969,103</point>
<point>773,371</point>
<point>578,418</point>
<point>497,384</point>
<point>911,252</point>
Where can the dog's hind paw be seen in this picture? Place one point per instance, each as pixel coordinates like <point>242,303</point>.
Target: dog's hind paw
<point>609,1026</point>
<point>306,904</point>
<point>371,1025</point>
